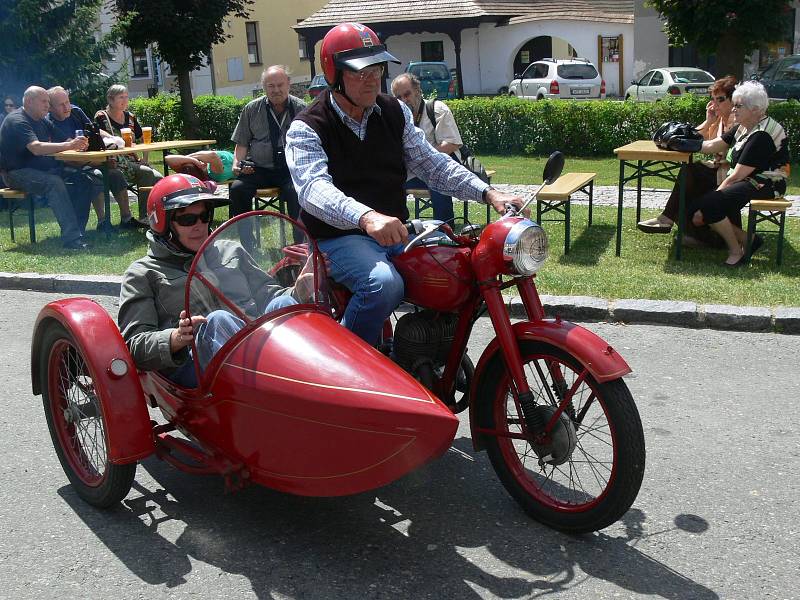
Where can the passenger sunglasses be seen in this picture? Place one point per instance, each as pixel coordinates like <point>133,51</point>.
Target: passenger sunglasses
<point>190,219</point>
<point>368,73</point>
<point>720,98</point>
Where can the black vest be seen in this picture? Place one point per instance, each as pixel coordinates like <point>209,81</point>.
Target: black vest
<point>372,171</point>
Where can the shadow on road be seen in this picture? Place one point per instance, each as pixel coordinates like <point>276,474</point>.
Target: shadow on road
<point>447,530</point>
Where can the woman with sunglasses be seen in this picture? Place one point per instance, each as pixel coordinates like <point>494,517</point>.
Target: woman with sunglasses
<point>152,318</point>
<point>701,176</point>
<point>9,105</point>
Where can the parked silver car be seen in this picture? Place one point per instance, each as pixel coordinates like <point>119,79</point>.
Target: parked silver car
<point>669,82</point>
<point>549,78</point>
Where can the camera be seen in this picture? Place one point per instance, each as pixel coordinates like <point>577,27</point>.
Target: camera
<point>247,163</point>
<point>279,158</point>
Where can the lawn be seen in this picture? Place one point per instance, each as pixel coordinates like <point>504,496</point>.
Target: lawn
<point>646,269</point>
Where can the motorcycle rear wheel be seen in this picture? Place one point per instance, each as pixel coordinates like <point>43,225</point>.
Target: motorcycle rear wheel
<point>599,480</point>
<point>76,421</point>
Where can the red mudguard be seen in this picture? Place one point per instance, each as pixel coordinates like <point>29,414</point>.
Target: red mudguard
<point>128,427</point>
<point>602,361</point>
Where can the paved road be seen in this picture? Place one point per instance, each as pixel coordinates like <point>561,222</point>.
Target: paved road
<point>716,517</point>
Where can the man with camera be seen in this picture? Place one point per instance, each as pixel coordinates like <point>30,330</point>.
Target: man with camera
<point>260,138</point>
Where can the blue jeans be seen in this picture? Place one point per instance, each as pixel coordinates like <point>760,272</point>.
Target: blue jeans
<point>70,204</point>
<point>442,205</point>
<point>219,327</point>
<point>363,266</point>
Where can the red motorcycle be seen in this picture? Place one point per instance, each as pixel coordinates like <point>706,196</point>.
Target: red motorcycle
<point>295,402</point>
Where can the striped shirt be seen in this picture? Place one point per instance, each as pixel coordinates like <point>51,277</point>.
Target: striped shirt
<point>317,194</point>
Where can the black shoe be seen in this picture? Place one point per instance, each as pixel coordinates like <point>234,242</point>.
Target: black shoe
<point>105,227</point>
<point>131,223</point>
<point>78,244</point>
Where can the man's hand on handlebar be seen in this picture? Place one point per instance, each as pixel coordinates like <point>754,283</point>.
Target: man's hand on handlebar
<point>499,200</point>
<point>384,229</point>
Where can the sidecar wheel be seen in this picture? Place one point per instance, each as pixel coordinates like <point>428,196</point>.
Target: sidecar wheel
<point>589,474</point>
<point>76,422</point>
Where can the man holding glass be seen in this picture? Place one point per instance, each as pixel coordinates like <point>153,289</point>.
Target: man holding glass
<point>27,142</point>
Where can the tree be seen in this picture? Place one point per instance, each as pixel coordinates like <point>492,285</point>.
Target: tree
<point>183,31</point>
<point>50,42</point>
<point>730,28</point>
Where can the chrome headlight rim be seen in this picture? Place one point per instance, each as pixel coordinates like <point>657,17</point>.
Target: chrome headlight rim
<point>525,248</point>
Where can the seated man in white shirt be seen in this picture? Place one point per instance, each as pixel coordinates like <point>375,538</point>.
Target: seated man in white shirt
<point>441,132</point>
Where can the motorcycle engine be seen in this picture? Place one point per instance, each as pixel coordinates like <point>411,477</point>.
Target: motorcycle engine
<point>423,337</point>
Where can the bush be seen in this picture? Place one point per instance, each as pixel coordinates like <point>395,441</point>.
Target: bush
<point>501,125</point>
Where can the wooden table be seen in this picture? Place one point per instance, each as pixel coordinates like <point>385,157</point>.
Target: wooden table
<point>648,160</point>
<point>100,158</point>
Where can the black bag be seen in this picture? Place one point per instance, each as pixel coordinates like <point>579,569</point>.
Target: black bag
<point>679,137</point>
<point>92,133</point>
<point>467,159</point>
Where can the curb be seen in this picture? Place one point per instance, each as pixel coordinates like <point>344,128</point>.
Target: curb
<point>781,319</point>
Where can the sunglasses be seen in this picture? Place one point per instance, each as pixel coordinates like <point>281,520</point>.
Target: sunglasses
<point>720,98</point>
<point>191,219</point>
<point>368,73</point>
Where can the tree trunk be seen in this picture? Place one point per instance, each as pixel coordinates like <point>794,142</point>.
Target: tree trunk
<point>191,127</point>
<point>730,56</point>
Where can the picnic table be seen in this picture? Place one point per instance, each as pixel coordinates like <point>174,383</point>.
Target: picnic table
<point>100,159</point>
<point>648,160</point>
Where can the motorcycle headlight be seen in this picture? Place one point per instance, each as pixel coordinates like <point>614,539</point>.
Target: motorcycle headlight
<point>526,247</point>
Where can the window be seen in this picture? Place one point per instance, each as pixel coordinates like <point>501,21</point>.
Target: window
<point>431,51</point>
<point>789,70</point>
<point>646,79</point>
<point>576,71</point>
<point>141,67</point>
<point>253,51</point>
<point>658,78</point>
<point>302,47</point>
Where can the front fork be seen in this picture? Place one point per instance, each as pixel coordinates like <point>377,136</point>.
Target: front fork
<point>534,420</point>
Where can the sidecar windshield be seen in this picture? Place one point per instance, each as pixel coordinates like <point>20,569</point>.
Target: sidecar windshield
<point>250,267</point>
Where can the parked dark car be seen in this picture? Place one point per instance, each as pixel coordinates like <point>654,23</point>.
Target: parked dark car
<point>317,85</point>
<point>434,76</point>
<point>782,78</point>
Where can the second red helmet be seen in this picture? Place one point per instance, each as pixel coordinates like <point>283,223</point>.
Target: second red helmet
<point>170,193</point>
<point>351,46</point>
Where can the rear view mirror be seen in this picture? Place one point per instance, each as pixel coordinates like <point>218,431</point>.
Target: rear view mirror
<point>553,168</point>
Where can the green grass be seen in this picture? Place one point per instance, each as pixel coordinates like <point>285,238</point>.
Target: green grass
<point>646,269</point>
<point>528,170</point>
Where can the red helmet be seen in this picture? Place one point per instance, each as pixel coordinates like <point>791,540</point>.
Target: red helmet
<point>174,191</point>
<point>351,46</point>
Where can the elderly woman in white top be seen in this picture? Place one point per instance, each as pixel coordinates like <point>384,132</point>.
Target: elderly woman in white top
<point>756,148</point>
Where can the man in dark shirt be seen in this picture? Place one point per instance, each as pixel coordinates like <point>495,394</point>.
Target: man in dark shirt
<point>27,143</point>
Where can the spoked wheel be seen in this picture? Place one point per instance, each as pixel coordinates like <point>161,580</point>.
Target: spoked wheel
<point>77,426</point>
<point>586,473</point>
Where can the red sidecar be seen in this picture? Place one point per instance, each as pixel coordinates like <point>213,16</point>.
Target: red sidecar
<point>293,401</point>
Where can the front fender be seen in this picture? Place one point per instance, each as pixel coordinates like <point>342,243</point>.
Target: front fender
<point>128,427</point>
<point>589,349</point>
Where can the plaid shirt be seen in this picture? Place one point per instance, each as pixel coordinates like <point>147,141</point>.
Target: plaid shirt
<point>318,196</point>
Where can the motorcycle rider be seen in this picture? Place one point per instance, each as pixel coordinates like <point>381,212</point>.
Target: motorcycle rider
<point>349,154</point>
<point>180,209</point>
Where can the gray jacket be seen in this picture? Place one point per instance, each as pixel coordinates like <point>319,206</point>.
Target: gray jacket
<point>252,130</point>
<point>152,296</point>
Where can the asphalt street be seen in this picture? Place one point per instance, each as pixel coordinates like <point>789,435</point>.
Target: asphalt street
<point>717,516</point>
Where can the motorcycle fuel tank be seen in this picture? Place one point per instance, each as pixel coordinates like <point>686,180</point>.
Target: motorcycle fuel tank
<point>311,409</point>
<point>436,277</point>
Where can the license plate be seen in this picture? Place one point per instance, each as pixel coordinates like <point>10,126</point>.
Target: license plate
<point>580,91</point>
<point>697,90</point>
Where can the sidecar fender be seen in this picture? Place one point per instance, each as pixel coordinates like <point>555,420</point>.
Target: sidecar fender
<point>596,355</point>
<point>127,421</point>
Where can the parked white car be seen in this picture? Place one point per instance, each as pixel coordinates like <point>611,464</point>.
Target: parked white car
<point>549,78</point>
<point>669,82</point>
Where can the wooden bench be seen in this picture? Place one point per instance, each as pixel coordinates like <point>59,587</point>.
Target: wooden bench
<point>422,201</point>
<point>556,198</point>
<point>19,195</point>
<point>767,211</point>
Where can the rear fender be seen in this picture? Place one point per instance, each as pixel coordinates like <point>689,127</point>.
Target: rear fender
<point>590,350</point>
<point>128,427</point>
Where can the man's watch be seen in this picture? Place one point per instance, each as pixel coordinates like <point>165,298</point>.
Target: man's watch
<point>485,192</point>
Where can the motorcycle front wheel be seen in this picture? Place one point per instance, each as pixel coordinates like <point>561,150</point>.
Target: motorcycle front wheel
<point>587,473</point>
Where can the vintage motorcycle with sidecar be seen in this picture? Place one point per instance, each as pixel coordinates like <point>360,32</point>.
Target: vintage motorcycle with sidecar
<point>295,402</point>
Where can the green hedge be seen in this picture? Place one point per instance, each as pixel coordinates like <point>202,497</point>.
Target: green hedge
<point>501,125</point>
